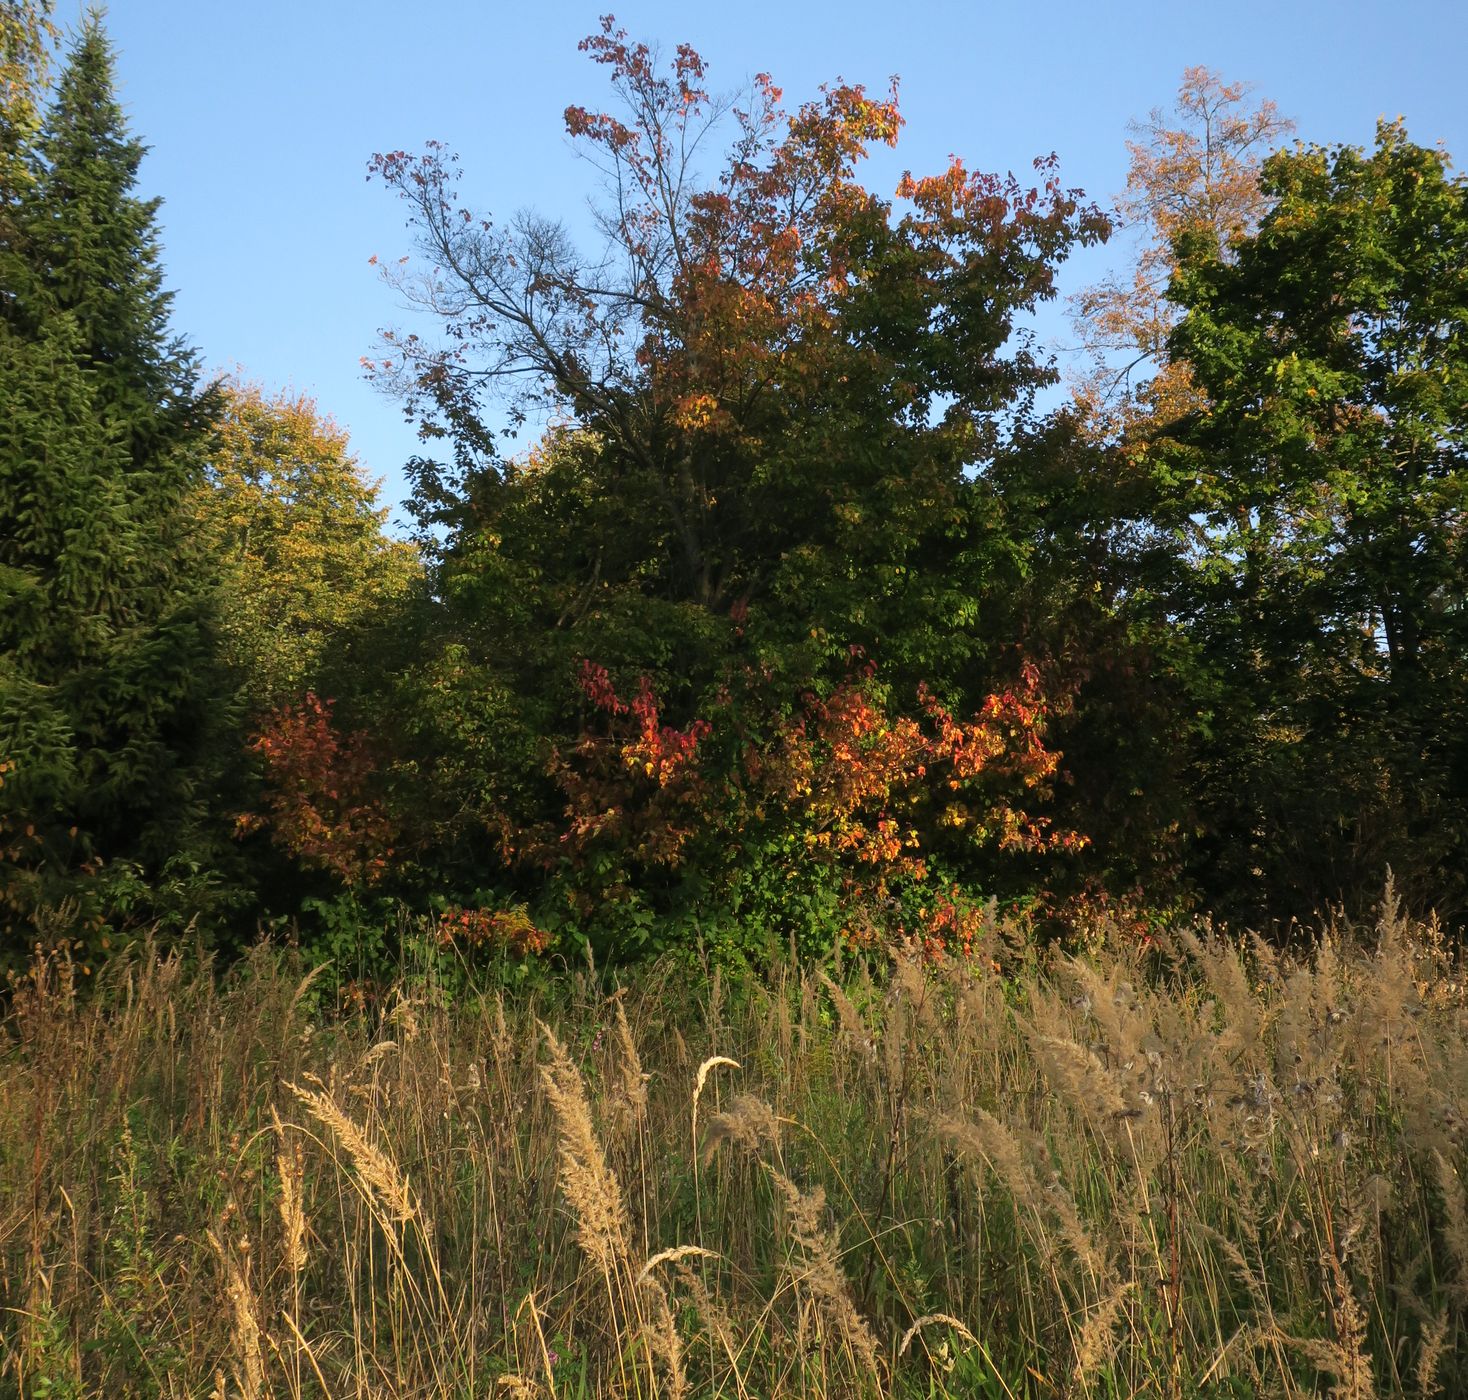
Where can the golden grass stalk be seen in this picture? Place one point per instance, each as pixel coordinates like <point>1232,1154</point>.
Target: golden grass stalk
<point>1095,1343</point>
<point>661,1334</point>
<point>633,1079</point>
<point>820,1271</point>
<point>1430,1355</point>
<point>588,1184</point>
<point>749,1121</point>
<point>1455,1223</point>
<point>849,1018</point>
<point>672,1256</point>
<point>249,1367</point>
<point>947,1319</point>
<point>704,1070</point>
<point>374,1168</point>
<point>291,1170</point>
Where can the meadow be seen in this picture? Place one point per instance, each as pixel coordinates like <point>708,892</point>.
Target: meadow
<point>1200,1165</point>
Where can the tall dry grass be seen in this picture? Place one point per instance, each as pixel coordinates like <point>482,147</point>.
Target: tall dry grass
<point>1209,1167</point>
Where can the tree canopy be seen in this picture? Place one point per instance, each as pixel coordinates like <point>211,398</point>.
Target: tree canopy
<point>1319,498</point>
<point>780,392</point>
<point>293,519</point>
<point>803,613</point>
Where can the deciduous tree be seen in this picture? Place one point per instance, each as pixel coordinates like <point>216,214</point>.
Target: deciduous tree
<point>778,369</point>
<point>1193,172</point>
<point>1321,495</point>
<point>781,392</point>
<point>293,520</point>
<point>26,36</point>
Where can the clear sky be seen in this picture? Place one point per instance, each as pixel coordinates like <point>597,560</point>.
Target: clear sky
<point>262,116</point>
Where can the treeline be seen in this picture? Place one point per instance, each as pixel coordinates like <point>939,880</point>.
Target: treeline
<point>808,616</point>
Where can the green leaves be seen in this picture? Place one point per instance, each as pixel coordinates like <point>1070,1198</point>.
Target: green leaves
<point>1327,474</point>
<point>292,520</point>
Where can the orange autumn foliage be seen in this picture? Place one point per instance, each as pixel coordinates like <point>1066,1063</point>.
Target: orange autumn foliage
<point>636,788</point>
<point>841,782</point>
<point>862,783</point>
<point>319,806</point>
<point>1196,169</point>
<point>511,930</point>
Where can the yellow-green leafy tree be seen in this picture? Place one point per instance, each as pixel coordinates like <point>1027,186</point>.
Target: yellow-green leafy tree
<point>294,519</point>
<point>26,35</point>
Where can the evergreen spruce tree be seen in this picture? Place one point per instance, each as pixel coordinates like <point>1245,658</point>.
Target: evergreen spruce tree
<point>109,702</point>
<point>95,246</point>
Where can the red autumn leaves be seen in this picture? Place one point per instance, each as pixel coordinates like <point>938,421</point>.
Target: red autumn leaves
<point>318,796</point>
<point>841,781</point>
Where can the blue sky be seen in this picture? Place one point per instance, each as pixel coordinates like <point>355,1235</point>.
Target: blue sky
<point>262,116</point>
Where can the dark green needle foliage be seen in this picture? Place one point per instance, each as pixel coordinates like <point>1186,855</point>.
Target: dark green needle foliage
<point>109,700</point>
